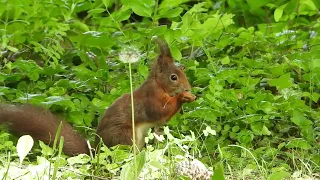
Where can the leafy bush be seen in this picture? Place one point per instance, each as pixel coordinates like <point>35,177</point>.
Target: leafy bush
<point>255,66</point>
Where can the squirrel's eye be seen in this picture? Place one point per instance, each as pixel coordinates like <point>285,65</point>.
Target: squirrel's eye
<point>173,77</point>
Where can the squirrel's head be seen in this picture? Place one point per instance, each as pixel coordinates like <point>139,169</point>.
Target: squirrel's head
<point>169,76</point>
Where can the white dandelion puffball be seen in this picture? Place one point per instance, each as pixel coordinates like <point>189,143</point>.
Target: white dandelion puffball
<point>129,54</point>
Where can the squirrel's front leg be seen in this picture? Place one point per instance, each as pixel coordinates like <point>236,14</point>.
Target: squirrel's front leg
<point>173,104</point>
<point>178,100</point>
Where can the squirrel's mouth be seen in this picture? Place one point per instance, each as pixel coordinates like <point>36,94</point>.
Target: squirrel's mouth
<point>175,93</point>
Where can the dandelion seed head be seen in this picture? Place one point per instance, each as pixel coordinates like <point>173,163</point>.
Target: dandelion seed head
<point>129,54</point>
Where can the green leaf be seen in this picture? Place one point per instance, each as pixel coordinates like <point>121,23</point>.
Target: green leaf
<point>235,128</point>
<point>80,159</point>
<point>54,99</point>
<point>96,11</point>
<point>57,92</point>
<point>140,7</point>
<point>308,133</point>
<point>176,54</point>
<point>12,49</point>
<point>282,82</point>
<point>198,8</point>
<point>26,65</point>
<point>298,143</point>
<point>159,30</point>
<point>80,26</point>
<point>277,70</point>
<point>33,75</point>
<point>204,113</point>
<point>218,173</point>
<point>315,63</point>
<point>45,149</point>
<point>254,4</point>
<point>141,10</point>
<point>278,14</point>
<point>65,83</point>
<point>265,131</point>
<point>171,3</point>
<point>256,127</point>
<point>217,22</point>
<point>171,34</point>
<point>170,13</point>
<point>279,175</point>
<point>309,6</point>
<point>122,14</point>
<point>127,173</point>
<point>266,107</point>
<point>315,96</point>
<point>106,3</point>
<point>225,60</point>
<point>301,121</point>
<point>245,136</point>
<point>94,39</point>
<point>143,70</point>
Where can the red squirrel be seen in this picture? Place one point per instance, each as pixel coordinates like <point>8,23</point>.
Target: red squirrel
<point>155,102</point>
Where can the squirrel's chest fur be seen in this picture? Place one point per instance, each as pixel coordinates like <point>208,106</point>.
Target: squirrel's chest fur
<point>150,110</point>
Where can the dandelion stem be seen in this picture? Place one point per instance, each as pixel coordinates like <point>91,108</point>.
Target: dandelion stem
<point>133,125</point>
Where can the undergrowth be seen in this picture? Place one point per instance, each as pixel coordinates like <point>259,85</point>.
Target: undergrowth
<point>254,66</point>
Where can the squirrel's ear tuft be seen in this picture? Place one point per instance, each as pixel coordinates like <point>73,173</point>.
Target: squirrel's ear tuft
<point>163,47</point>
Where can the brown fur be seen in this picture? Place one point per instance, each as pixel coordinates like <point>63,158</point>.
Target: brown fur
<point>155,102</point>
<point>42,125</point>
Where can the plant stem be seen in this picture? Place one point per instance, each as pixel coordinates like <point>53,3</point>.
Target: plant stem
<point>133,125</point>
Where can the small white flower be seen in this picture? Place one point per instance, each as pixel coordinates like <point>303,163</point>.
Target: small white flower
<point>217,5</point>
<point>285,32</point>
<point>313,34</point>
<point>129,54</point>
<point>24,146</point>
<point>160,138</point>
<point>208,131</point>
<point>91,55</point>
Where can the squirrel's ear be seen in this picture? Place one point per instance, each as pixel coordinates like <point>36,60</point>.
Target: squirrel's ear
<point>163,47</point>
<point>165,54</point>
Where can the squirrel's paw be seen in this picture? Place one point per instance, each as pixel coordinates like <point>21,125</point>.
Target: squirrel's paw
<point>187,97</point>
